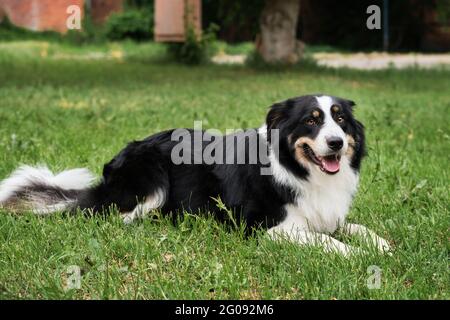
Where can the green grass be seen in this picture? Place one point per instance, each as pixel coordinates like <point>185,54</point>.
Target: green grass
<point>80,109</point>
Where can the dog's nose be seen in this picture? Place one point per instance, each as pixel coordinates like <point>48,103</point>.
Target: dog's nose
<point>335,143</point>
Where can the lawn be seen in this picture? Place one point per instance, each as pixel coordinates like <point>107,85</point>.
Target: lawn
<point>77,107</point>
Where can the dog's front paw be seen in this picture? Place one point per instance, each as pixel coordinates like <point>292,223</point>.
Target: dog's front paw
<point>128,218</point>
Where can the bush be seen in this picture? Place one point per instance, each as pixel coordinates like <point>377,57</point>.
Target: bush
<point>194,50</point>
<point>10,32</point>
<point>131,24</point>
<point>238,20</point>
<point>88,34</point>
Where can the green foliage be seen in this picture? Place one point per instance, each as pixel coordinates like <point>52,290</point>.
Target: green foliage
<point>238,20</point>
<point>89,33</point>
<point>408,21</point>
<point>130,24</point>
<point>443,12</point>
<point>135,24</point>
<point>234,49</point>
<point>10,32</point>
<point>194,50</point>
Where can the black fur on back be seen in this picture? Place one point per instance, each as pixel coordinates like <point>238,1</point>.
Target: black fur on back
<point>144,167</point>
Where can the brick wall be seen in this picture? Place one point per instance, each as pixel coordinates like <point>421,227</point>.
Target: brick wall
<point>102,9</point>
<point>42,15</point>
<point>171,17</point>
<point>39,15</point>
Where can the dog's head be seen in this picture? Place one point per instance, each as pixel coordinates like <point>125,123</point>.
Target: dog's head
<point>316,132</point>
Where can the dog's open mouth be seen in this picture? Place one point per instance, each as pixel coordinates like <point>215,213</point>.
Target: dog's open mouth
<point>329,164</point>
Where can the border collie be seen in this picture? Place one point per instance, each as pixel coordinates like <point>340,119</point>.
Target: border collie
<point>312,169</point>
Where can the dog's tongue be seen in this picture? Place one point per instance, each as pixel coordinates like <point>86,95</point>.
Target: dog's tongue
<point>330,164</point>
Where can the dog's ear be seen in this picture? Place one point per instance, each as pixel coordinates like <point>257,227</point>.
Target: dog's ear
<point>360,144</point>
<point>346,103</point>
<point>350,103</point>
<point>276,115</point>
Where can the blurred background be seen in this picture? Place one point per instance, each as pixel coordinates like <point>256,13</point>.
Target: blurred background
<point>279,31</point>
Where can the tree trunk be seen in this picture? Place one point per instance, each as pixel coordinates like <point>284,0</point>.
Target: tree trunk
<point>277,42</point>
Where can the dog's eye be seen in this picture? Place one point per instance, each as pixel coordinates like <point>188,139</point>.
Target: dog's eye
<point>311,122</point>
<point>340,119</point>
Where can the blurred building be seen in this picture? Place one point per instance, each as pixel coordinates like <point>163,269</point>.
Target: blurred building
<point>171,17</point>
<point>40,15</point>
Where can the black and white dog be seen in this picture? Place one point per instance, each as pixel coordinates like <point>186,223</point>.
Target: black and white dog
<point>311,174</point>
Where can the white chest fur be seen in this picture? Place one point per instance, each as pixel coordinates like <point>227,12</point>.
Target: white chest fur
<point>322,201</point>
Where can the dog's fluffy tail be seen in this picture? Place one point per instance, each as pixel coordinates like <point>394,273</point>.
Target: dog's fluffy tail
<point>39,190</point>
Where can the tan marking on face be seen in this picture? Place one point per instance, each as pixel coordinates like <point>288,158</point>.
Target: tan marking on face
<point>316,114</point>
<point>351,146</point>
<point>300,155</point>
<point>335,108</point>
